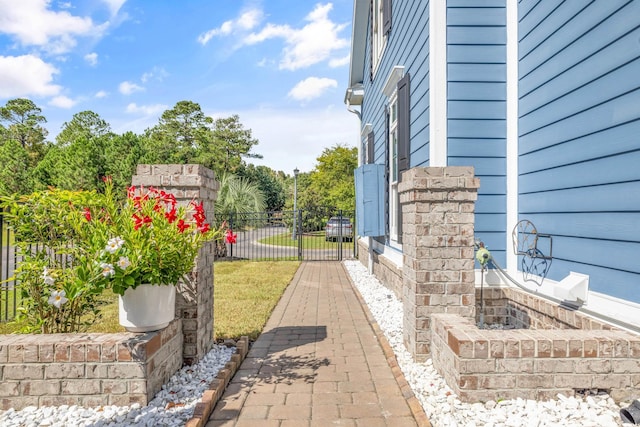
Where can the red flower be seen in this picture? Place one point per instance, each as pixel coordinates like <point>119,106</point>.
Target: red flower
<point>87,214</point>
<point>230,237</point>
<point>140,221</point>
<point>199,215</point>
<point>182,226</point>
<point>204,228</point>
<point>171,216</point>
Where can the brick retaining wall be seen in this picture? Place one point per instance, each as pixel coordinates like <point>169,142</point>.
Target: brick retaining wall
<point>484,364</point>
<point>389,274</point>
<point>87,369</point>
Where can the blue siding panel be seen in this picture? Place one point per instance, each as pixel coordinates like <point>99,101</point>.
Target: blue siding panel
<point>480,35</point>
<point>492,54</point>
<point>476,109</point>
<point>477,91</point>
<point>477,72</point>
<point>578,130</point>
<point>475,16</point>
<point>607,170</point>
<point>619,139</point>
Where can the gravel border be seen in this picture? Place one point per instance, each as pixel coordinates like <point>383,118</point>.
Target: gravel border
<point>442,406</point>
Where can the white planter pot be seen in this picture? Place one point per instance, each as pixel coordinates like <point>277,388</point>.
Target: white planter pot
<point>147,307</point>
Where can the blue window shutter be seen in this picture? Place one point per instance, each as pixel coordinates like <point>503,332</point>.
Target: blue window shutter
<point>369,180</point>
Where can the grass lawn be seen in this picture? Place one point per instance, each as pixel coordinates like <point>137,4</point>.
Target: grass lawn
<point>245,293</point>
<point>309,241</point>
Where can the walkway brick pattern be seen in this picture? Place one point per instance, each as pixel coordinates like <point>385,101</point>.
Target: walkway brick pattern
<point>318,362</point>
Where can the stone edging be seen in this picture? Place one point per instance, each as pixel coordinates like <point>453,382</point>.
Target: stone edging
<point>211,396</point>
<point>405,388</point>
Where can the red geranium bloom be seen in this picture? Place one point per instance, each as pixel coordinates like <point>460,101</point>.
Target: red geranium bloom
<point>230,237</point>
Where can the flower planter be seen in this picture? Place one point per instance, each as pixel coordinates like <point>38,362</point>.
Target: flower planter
<point>147,307</point>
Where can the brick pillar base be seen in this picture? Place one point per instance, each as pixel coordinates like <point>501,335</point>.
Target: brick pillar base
<point>438,233</point>
<point>194,300</point>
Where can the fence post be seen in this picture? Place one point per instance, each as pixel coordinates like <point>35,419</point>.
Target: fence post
<point>298,216</point>
<point>194,300</point>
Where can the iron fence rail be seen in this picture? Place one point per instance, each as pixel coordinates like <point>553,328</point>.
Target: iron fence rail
<point>8,260</point>
<point>295,235</point>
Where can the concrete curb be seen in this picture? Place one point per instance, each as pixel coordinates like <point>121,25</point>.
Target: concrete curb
<point>217,387</point>
<point>407,392</point>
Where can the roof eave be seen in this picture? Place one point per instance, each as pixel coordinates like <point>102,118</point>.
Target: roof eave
<point>358,41</point>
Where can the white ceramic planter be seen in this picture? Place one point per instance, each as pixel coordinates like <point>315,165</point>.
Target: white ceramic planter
<point>147,307</point>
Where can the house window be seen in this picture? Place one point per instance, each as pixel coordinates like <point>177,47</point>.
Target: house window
<point>393,169</point>
<point>397,135</point>
<point>380,28</point>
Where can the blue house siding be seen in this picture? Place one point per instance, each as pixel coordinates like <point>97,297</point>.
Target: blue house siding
<point>476,108</point>
<point>411,50</point>
<point>579,121</point>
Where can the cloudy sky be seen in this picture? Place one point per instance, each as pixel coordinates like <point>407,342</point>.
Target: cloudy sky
<point>281,65</point>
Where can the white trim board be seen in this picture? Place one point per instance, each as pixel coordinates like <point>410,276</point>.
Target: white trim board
<point>437,83</point>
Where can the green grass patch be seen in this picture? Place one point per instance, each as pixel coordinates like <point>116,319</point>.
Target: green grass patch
<point>245,293</point>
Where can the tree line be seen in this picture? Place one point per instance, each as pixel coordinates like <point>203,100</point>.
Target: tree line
<point>87,149</point>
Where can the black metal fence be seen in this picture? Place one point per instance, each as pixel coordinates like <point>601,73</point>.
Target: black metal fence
<point>301,235</point>
<point>9,297</point>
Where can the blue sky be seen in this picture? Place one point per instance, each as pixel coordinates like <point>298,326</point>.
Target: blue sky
<point>281,65</point>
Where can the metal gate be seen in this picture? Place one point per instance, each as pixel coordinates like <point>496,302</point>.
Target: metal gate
<point>310,235</point>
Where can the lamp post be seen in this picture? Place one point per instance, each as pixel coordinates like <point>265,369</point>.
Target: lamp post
<point>295,203</point>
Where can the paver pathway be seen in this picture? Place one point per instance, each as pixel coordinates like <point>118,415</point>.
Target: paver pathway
<point>318,362</point>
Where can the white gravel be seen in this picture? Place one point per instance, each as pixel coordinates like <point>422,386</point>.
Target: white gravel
<point>175,403</point>
<point>172,406</point>
<point>442,406</point>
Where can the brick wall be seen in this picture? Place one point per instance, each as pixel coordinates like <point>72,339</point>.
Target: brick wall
<point>438,206</point>
<point>483,364</point>
<point>514,307</point>
<point>194,300</point>
<point>87,369</point>
<point>389,274</point>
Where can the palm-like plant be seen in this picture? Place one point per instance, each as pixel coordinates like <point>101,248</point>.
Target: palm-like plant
<point>238,195</point>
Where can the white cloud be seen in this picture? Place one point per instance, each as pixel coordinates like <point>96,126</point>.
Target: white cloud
<point>247,20</point>
<point>62,102</point>
<point>340,62</point>
<point>309,45</point>
<point>146,110</point>
<point>26,75</point>
<point>101,94</point>
<point>127,88</point>
<point>157,73</point>
<point>114,5</point>
<point>295,138</point>
<point>312,87</point>
<point>32,23</point>
<point>91,58</point>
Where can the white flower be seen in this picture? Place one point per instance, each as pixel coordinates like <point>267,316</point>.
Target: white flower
<point>124,262</point>
<point>57,298</point>
<point>48,279</point>
<point>114,244</point>
<point>107,269</point>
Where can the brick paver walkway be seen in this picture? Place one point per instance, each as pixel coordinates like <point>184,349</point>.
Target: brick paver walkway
<point>318,362</point>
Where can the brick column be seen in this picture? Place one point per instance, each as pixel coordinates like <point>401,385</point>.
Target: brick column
<point>194,300</point>
<point>437,242</point>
